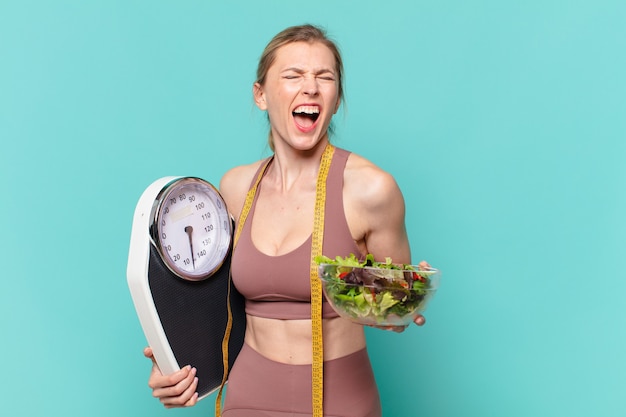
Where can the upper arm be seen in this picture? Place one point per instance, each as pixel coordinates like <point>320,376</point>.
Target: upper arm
<point>378,206</point>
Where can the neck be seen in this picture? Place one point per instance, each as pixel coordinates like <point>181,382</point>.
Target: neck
<point>294,167</point>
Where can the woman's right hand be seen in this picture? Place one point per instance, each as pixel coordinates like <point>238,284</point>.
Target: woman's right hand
<point>174,390</point>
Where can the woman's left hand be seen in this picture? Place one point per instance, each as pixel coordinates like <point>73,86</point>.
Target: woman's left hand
<point>419,320</point>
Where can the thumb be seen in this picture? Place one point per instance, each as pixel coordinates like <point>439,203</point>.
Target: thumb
<point>148,353</point>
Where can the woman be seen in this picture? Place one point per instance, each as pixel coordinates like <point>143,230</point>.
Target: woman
<point>299,85</point>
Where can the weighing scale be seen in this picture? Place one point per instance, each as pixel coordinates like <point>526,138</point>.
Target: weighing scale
<point>179,279</point>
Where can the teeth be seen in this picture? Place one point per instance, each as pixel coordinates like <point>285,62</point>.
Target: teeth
<point>307,109</point>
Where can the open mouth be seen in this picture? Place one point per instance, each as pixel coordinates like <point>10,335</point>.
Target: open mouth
<point>306,116</point>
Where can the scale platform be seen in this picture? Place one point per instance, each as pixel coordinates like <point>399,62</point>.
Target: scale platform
<point>183,321</point>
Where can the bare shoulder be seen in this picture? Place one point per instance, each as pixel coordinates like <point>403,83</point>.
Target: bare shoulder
<point>369,185</point>
<point>234,186</point>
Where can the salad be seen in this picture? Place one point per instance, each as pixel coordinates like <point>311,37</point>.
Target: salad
<point>376,293</point>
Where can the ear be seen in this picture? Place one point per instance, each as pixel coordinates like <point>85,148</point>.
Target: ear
<point>259,96</point>
<point>337,105</point>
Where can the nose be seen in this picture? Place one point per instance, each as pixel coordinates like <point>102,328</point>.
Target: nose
<point>310,86</point>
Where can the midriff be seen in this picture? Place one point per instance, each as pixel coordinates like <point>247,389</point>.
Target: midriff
<point>290,341</point>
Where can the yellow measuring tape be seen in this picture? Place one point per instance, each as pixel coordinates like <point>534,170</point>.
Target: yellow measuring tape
<point>317,382</point>
<point>229,325</point>
<point>316,285</point>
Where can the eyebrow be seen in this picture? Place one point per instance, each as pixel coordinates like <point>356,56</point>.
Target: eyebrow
<point>316,72</point>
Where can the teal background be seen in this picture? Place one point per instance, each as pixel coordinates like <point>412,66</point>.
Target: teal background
<point>503,122</point>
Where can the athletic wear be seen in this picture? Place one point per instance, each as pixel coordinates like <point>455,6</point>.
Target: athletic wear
<point>260,387</point>
<point>278,287</point>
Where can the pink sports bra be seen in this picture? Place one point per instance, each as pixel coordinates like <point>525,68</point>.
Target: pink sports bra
<point>278,287</point>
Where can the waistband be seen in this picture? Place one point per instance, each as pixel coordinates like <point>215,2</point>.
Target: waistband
<point>286,310</point>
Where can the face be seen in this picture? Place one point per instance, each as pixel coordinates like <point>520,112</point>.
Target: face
<point>300,94</point>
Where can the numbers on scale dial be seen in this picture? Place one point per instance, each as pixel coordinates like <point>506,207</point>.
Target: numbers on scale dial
<point>188,235</point>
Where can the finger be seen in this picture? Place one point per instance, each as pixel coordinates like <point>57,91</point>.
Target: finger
<point>182,394</point>
<point>190,403</point>
<point>159,382</point>
<point>397,329</point>
<point>172,385</point>
<point>420,320</point>
<point>193,400</point>
<point>155,372</point>
<point>424,264</point>
<point>148,353</point>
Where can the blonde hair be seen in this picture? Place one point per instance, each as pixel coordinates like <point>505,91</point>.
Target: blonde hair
<point>303,33</point>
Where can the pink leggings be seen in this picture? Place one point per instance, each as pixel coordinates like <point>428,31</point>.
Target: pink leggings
<point>260,387</point>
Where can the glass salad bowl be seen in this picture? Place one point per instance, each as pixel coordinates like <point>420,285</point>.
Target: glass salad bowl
<point>378,295</point>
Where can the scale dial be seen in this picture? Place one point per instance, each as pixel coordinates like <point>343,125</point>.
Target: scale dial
<point>191,228</point>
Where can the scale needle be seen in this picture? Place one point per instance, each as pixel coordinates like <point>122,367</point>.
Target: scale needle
<point>189,231</point>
